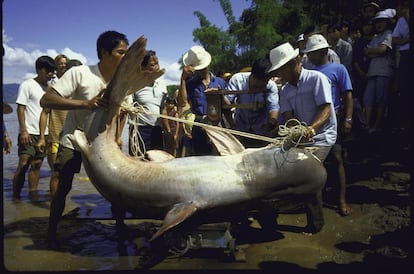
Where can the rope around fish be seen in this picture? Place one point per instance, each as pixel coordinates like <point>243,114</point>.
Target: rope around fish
<point>293,134</point>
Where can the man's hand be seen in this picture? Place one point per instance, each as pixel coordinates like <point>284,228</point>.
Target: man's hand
<point>25,138</point>
<point>212,90</point>
<point>99,101</point>
<point>7,144</point>
<point>310,132</point>
<point>188,71</point>
<point>347,127</point>
<point>40,145</point>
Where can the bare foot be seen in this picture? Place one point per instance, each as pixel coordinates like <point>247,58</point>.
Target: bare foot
<point>344,209</point>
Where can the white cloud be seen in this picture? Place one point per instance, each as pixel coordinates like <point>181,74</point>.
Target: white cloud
<point>172,73</point>
<point>19,63</point>
<point>6,39</point>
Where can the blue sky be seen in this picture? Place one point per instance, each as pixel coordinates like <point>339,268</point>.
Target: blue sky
<point>32,28</point>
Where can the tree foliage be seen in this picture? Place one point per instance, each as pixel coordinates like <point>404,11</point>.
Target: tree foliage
<point>266,24</point>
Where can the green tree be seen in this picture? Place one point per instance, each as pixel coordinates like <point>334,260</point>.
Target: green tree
<point>266,24</point>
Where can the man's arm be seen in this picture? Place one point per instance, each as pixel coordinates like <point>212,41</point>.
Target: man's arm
<point>52,99</point>
<point>321,118</point>
<point>21,117</point>
<point>182,91</point>
<point>349,108</point>
<point>41,143</point>
<point>375,52</point>
<point>7,141</point>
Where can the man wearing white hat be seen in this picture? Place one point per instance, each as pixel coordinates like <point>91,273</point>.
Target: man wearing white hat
<point>307,97</point>
<point>317,51</point>
<point>195,79</point>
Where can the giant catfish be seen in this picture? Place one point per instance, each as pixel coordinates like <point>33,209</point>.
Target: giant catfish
<point>178,189</point>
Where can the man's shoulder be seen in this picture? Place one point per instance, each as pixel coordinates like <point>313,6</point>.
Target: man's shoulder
<point>28,85</point>
<point>27,82</point>
<point>312,75</point>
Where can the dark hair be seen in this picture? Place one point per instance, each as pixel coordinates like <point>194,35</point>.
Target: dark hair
<point>108,40</point>
<point>73,63</point>
<point>147,56</point>
<point>46,62</point>
<point>333,27</point>
<point>312,29</point>
<point>260,68</point>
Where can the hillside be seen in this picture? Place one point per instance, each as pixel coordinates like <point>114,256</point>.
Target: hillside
<point>10,93</point>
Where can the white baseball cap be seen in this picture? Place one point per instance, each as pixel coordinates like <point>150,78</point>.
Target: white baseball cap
<point>301,37</point>
<point>282,54</point>
<point>315,42</point>
<point>197,57</point>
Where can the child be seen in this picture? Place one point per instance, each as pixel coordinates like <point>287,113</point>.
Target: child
<point>171,127</point>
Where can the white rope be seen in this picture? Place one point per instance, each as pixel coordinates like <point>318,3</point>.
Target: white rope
<point>292,133</point>
<point>135,138</point>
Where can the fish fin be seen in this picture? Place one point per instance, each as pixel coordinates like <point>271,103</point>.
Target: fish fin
<point>81,141</point>
<point>179,213</point>
<point>225,142</point>
<point>158,155</point>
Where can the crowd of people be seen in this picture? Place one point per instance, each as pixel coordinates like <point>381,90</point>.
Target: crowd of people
<point>332,80</point>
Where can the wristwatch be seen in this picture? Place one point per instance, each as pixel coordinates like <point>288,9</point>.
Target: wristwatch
<point>349,120</point>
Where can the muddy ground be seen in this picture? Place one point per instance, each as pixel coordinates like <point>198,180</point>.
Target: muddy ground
<point>377,236</point>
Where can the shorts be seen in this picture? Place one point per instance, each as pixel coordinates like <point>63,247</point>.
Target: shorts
<point>31,149</point>
<point>322,152</point>
<point>68,161</point>
<point>377,91</point>
<point>52,148</point>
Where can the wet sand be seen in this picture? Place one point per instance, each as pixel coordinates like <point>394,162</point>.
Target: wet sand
<point>376,237</point>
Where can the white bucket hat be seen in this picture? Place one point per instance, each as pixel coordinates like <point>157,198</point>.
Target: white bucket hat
<point>384,14</point>
<point>282,54</point>
<point>197,57</point>
<point>315,42</point>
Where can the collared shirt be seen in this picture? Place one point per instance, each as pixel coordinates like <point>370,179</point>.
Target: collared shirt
<point>344,51</point>
<point>402,30</point>
<point>382,65</point>
<point>250,119</point>
<point>195,92</point>
<point>150,98</point>
<point>313,89</point>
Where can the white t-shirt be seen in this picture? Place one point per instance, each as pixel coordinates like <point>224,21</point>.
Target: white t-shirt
<point>29,95</point>
<point>79,83</point>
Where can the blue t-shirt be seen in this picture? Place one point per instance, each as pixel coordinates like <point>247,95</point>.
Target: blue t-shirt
<point>340,80</point>
<point>196,95</point>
